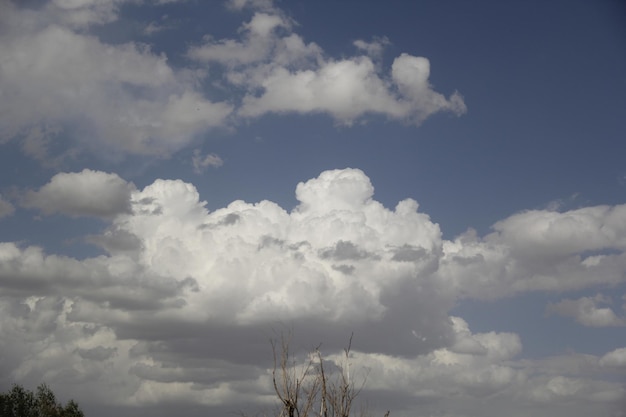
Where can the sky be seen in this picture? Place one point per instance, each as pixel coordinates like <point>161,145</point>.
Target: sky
<point>183,181</point>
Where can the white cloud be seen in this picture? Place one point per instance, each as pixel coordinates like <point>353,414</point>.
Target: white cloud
<point>82,13</point>
<point>295,265</point>
<point>158,26</point>
<point>113,98</point>
<point>6,208</point>
<point>85,193</point>
<point>256,45</point>
<point>200,163</point>
<point>490,380</point>
<point>40,343</point>
<point>181,304</point>
<point>348,89</point>
<point>442,373</point>
<point>110,286</point>
<point>410,74</point>
<point>616,357</point>
<point>373,49</point>
<point>60,81</point>
<point>540,250</point>
<point>283,74</point>
<point>560,389</point>
<point>539,234</point>
<point>337,241</point>
<point>338,257</point>
<point>342,259</point>
<point>587,311</point>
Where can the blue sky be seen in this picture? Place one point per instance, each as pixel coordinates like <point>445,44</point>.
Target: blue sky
<point>445,179</point>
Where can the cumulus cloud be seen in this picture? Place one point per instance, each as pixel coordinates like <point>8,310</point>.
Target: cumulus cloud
<point>539,234</point>
<point>62,81</point>
<point>289,265</point>
<point>284,74</point>
<point>181,303</point>
<point>348,89</point>
<point>334,258</point>
<point>539,250</point>
<point>85,193</point>
<point>177,275</point>
<point>588,311</point>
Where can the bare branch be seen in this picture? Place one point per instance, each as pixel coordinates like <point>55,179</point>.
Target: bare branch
<point>307,389</point>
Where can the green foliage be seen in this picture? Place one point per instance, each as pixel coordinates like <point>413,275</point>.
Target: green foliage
<point>20,402</point>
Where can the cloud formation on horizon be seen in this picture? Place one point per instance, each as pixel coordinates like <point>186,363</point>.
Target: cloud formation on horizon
<point>177,284</point>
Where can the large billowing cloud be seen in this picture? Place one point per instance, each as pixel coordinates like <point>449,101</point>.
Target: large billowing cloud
<point>181,304</point>
<point>339,257</point>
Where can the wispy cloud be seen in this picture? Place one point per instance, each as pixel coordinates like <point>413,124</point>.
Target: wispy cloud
<point>6,208</point>
<point>201,162</point>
